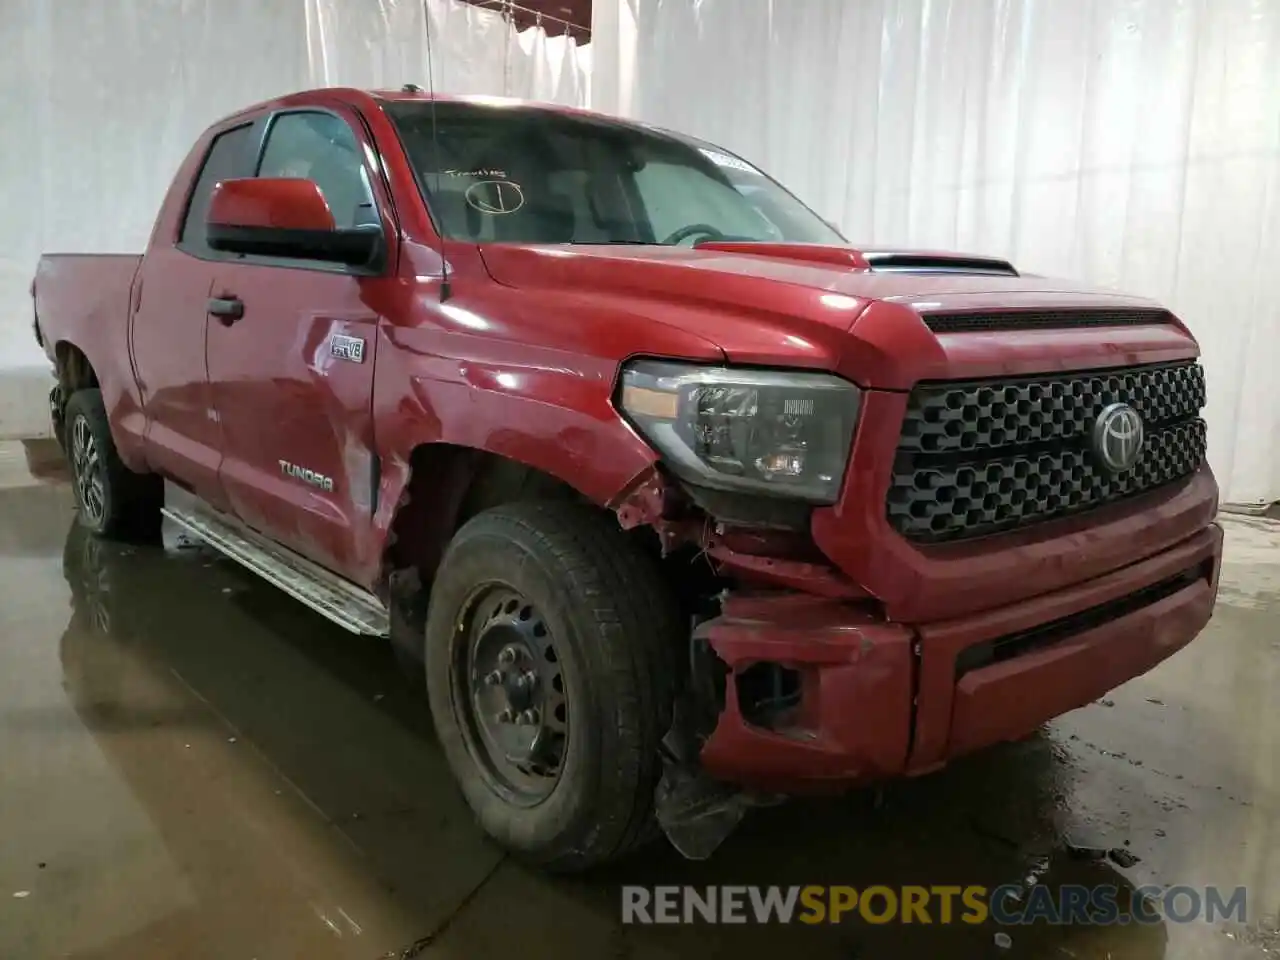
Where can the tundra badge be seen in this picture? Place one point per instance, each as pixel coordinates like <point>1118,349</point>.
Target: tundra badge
<point>306,476</point>
<point>347,348</point>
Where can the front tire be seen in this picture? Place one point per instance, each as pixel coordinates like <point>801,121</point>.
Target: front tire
<point>550,652</point>
<point>113,501</point>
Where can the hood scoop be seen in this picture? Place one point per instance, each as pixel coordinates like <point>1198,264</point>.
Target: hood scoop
<point>923,262</point>
<point>873,261</point>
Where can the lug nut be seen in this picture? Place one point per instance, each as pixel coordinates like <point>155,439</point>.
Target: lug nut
<point>507,656</point>
<point>506,716</point>
<point>529,718</point>
<point>494,678</point>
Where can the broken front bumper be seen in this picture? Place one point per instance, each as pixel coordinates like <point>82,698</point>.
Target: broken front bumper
<point>851,698</point>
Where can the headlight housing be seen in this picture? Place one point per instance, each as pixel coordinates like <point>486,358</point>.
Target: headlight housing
<point>777,433</point>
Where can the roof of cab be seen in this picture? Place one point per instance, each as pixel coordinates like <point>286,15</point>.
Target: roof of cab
<point>369,98</point>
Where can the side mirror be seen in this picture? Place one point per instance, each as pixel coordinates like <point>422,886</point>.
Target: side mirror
<point>284,217</point>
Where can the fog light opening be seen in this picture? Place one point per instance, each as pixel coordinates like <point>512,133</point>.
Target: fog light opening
<point>769,695</point>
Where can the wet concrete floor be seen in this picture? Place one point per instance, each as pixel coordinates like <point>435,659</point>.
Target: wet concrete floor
<point>193,765</point>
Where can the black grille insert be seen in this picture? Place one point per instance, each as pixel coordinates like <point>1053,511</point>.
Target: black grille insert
<point>1047,634</point>
<point>976,458</point>
<point>1042,319</point>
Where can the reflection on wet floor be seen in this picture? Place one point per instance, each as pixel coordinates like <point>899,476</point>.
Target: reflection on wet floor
<point>193,765</point>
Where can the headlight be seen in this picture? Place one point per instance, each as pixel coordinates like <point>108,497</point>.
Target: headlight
<point>785,434</point>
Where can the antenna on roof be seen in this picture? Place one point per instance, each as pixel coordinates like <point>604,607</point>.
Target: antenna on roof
<point>411,88</point>
<point>435,146</point>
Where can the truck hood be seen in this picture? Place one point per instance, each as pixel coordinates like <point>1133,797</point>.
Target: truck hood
<point>830,307</point>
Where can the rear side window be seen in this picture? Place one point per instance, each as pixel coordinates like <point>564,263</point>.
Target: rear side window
<point>228,155</point>
<point>321,147</point>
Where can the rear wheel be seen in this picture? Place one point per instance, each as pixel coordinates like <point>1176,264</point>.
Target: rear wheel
<point>113,501</point>
<point>550,644</point>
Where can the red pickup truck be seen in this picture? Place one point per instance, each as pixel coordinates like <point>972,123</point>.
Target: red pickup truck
<point>683,501</point>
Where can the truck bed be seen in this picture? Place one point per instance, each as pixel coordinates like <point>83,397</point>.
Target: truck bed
<point>83,297</point>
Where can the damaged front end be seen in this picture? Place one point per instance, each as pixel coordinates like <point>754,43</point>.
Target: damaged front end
<point>776,631</point>
<point>746,456</point>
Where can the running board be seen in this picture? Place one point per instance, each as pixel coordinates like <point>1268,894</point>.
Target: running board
<point>343,602</point>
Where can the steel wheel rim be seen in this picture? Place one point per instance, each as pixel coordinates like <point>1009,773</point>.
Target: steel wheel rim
<point>86,464</point>
<point>509,695</point>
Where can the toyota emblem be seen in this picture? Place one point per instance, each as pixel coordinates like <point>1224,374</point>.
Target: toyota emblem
<point>1117,437</point>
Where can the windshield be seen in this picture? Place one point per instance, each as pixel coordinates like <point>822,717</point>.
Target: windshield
<point>527,175</point>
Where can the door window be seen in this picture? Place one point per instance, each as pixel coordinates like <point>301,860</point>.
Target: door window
<point>321,147</point>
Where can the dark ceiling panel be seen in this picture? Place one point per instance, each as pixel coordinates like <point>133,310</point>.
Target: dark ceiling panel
<point>558,16</point>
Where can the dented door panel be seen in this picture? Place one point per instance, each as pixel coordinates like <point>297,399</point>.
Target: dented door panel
<point>292,392</point>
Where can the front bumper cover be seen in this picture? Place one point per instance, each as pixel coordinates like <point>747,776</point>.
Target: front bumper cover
<point>878,699</point>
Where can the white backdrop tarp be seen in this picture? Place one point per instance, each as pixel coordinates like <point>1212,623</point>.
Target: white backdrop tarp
<point>99,103</point>
<point>1132,143</point>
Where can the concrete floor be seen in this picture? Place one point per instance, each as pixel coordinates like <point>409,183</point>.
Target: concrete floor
<point>193,765</point>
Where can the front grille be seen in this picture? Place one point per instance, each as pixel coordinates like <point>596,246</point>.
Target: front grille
<point>1046,634</point>
<point>1042,319</point>
<point>977,458</point>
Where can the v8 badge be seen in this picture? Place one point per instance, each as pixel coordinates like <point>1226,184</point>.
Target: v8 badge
<point>347,348</point>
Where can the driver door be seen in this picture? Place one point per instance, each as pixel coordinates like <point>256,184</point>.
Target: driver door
<point>291,368</point>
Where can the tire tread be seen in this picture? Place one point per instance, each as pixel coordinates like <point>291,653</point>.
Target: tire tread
<point>636,626</point>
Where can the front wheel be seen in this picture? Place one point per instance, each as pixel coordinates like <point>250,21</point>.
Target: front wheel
<point>113,501</point>
<point>550,651</point>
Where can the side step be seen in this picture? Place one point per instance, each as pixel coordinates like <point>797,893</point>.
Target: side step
<point>343,602</point>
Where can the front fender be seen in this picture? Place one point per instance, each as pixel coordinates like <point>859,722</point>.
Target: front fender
<point>551,414</point>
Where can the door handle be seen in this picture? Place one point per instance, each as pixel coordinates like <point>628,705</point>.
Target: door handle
<point>226,309</point>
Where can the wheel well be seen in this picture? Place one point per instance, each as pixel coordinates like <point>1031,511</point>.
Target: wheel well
<point>448,485</point>
<point>74,370</point>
